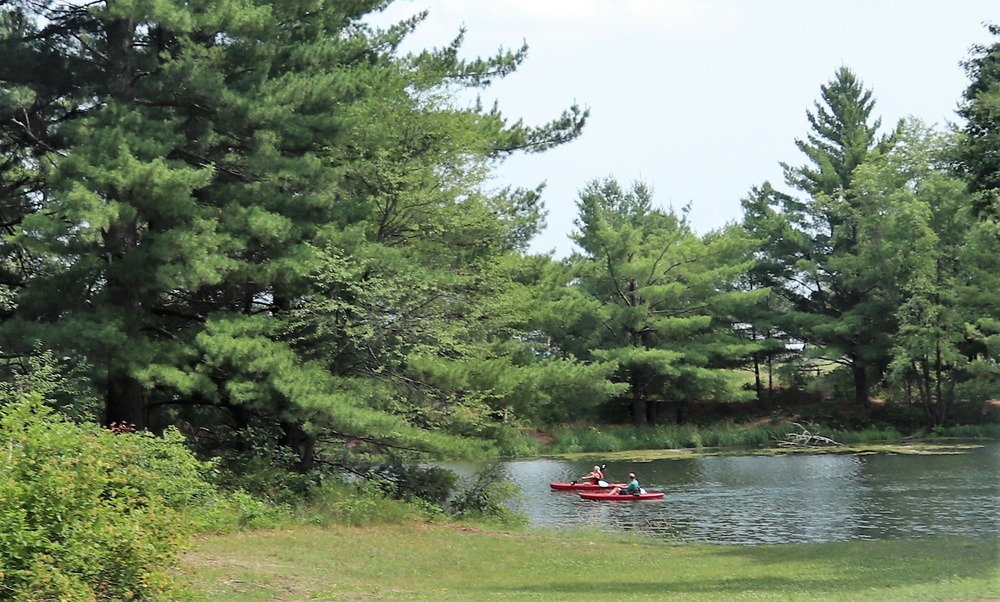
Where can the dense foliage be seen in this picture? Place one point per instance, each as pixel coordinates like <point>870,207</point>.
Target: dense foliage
<point>264,224</point>
<point>90,514</point>
<point>882,267</point>
<point>979,149</point>
<point>263,232</point>
<point>652,298</point>
<point>259,220</point>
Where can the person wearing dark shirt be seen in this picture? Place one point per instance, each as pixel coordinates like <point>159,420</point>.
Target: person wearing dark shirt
<point>632,488</point>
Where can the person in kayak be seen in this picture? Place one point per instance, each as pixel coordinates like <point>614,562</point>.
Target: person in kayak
<point>592,477</point>
<point>632,488</point>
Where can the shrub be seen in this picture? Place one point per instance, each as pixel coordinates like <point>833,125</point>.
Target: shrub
<point>65,385</point>
<point>512,443</point>
<point>564,440</point>
<point>968,431</point>
<point>408,481</point>
<point>363,503</point>
<point>251,460</point>
<point>237,510</point>
<point>87,514</point>
<point>491,499</point>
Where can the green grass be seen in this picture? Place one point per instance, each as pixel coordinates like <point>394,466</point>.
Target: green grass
<point>445,562</point>
<point>575,439</point>
<point>611,438</point>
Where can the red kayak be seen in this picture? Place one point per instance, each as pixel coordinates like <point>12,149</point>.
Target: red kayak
<point>619,497</point>
<point>584,486</point>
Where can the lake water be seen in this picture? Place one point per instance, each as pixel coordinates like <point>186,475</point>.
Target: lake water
<point>752,500</point>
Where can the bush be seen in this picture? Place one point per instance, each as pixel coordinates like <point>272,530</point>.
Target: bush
<point>968,431</point>
<point>512,443</point>
<point>251,460</point>
<point>408,481</point>
<point>672,436</point>
<point>237,510</point>
<point>491,499</point>
<point>363,503</point>
<point>869,435</point>
<point>87,514</point>
<point>65,385</point>
<point>593,439</point>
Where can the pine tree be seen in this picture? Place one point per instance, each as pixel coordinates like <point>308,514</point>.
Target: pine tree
<point>980,146</point>
<point>829,286</point>
<point>224,187</point>
<point>660,300</point>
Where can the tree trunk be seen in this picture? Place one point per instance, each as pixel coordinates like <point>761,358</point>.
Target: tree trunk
<point>302,443</point>
<point>860,383</point>
<point>125,402</point>
<point>758,385</point>
<point>120,71</point>
<point>926,387</point>
<point>639,415</point>
<point>942,403</point>
<point>770,376</point>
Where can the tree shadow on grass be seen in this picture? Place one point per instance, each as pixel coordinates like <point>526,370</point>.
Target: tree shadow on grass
<point>920,560</point>
<point>811,569</point>
<point>684,586</point>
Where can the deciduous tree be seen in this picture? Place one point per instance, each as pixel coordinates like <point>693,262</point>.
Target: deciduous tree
<point>922,237</point>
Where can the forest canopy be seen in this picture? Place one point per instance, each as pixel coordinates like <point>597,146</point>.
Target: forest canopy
<point>264,223</point>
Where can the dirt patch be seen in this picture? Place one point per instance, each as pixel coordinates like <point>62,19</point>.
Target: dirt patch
<point>542,438</point>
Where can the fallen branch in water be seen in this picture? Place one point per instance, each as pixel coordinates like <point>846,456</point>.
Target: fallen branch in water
<point>805,439</point>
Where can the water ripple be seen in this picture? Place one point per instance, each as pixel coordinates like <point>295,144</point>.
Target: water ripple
<point>756,500</point>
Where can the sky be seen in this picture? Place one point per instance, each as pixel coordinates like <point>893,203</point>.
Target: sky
<point>699,99</point>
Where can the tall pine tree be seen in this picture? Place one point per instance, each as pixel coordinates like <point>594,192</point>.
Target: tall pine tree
<point>829,286</point>
<point>213,190</point>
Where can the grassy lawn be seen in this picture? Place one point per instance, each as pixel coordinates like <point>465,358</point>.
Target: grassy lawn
<point>442,562</point>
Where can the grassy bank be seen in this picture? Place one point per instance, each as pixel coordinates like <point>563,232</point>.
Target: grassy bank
<point>730,435</point>
<point>442,562</point>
